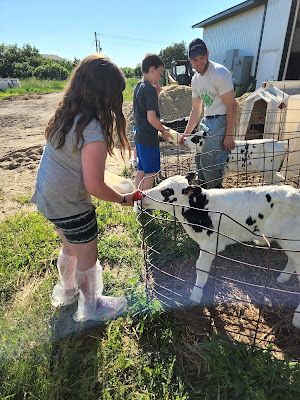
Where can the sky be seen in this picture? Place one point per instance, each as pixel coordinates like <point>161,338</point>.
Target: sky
<point>127,30</point>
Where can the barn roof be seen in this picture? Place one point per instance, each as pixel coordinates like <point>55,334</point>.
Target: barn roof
<point>230,12</point>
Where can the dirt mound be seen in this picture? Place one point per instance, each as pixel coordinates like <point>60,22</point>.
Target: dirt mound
<point>23,97</point>
<point>128,114</point>
<point>175,102</point>
<point>28,157</point>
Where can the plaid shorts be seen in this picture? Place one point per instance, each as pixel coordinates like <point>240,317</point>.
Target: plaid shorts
<point>81,228</point>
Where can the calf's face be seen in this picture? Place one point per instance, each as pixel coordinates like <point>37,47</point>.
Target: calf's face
<point>196,140</point>
<point>168,192</point>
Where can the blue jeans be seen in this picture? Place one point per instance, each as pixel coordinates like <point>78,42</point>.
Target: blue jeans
<point>210,163</point>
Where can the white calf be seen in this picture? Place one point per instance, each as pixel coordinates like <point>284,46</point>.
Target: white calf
<point>260,155</point>
<point>242,214</point>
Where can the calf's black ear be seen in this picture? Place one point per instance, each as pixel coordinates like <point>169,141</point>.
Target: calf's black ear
<point>190,176</point>
<point>192,190</point>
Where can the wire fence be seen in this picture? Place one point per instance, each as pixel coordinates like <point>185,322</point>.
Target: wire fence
<point>280,157</point>
<point>242,299</point>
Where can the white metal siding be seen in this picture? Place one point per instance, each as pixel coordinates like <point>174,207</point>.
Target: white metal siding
<point>239,32</point>
<point>277,17</point>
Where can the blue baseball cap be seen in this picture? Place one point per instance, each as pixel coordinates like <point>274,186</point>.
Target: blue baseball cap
<point>197,47</point>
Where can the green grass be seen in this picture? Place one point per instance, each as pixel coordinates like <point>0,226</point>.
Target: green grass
<point>32,85</point>
<point>145,355</point>
<point>130,85</point>
<point>22,199</point>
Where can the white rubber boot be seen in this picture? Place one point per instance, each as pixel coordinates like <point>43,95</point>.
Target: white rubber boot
<point>66,291</point>
<point>91,304</point>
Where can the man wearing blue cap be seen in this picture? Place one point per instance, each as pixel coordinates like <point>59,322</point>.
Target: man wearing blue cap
<point>211,86</point>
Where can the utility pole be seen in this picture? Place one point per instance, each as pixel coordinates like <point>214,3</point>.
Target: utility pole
<point>98,48</point>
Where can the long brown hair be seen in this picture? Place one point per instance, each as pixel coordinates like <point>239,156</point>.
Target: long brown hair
<point>94,91</point>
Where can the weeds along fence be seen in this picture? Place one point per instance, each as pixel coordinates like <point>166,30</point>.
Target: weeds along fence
<point>242,299</point>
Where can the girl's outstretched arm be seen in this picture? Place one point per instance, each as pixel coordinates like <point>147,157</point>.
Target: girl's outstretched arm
<point>93,158</point>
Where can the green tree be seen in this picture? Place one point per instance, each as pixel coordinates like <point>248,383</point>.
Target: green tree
<point>31,55</point>
<point>51,70</point>
<point>11,57</point>
<point>75,62</point>
<point>128,72</point>
<point>138,70</point>
<point>69,65</point>
<point>26,61</point>
<point>8,56</point>
<point>24,70</point>
<point>176,51</point>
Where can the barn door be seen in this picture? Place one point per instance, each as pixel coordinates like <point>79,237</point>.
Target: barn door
<point>268,66</point>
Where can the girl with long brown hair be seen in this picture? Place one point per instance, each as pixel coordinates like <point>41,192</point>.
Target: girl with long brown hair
<point>79,136</point>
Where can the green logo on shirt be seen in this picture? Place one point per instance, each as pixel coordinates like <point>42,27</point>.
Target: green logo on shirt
<point>207,100</point>
<point>207,97</point>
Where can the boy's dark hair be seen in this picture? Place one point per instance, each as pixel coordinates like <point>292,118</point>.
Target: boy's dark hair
<point>151,60</point>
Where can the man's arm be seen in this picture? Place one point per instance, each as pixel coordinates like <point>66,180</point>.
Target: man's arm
<point>231,107</point>
<point>194,116</point>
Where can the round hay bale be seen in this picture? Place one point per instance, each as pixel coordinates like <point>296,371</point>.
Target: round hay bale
<point>175,102</point>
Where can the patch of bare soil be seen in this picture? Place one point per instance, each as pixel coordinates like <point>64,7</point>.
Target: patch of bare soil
<point>23,120</point>
<point>242,300</point>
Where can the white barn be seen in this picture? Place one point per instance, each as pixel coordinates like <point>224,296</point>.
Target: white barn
<point>258,40</point>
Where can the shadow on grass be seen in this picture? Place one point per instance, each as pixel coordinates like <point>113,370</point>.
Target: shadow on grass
<point>74,357</point>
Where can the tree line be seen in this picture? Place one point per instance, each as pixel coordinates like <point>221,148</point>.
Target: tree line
<point>26,62</point>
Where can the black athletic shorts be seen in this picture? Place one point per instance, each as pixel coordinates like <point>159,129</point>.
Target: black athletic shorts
<point>81,228</point>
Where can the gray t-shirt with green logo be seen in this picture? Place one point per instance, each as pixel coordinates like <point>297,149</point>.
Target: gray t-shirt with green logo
<point>59,190</point>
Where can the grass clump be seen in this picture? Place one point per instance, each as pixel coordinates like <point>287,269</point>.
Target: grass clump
<point>22,199</point>
<point>27,245</point>
<point>240,372</point>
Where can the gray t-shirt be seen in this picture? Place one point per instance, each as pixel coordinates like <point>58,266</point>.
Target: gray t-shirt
<point>59,190</point>
<point>145,99</point>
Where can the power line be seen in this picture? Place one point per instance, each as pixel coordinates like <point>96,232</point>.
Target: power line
<point>130,39</point>
<point>125,44</point>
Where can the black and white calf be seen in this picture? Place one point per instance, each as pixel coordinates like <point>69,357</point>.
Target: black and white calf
<point>242,214</point>
<point>260,155</point>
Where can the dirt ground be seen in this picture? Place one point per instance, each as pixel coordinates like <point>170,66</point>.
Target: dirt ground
<point>23,120</point>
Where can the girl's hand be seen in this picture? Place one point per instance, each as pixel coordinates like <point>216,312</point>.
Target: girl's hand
<point>130,198</point>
